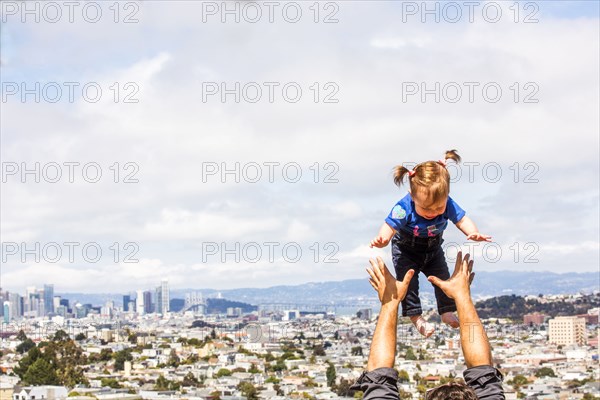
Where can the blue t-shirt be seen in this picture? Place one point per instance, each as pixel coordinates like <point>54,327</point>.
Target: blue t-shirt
<point>404,217</point>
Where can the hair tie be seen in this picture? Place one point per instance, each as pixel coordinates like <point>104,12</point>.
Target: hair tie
<point>411,173</point>
<point>442,163</point>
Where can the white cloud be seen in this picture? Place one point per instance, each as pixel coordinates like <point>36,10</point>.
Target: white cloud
<point>170,132</point>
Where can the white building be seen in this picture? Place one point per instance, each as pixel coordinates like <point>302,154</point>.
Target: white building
<point>567,331</point>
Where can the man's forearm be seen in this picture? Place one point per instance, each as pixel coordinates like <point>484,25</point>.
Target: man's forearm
<point>383,346</point>
<point>473,339</point>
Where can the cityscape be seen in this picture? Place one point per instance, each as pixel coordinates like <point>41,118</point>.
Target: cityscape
<point>153,346</point>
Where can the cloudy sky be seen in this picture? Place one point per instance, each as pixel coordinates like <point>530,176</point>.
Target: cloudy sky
<point>339,92</point>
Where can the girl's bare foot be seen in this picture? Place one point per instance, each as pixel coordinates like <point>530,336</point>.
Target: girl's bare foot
<point>450,319</point>
<point>425,328</point>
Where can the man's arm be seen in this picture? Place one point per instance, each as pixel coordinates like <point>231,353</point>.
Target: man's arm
<point>474,341</point>
<point>391,293</point>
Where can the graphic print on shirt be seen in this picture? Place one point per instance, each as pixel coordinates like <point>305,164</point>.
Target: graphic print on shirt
<point>430,230</point>
<point>398,212</point>
<point>416,230</point>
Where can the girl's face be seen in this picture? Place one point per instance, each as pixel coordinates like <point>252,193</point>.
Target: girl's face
<point>425,208</point>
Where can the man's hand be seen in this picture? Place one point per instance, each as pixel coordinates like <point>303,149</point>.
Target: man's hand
<point>458,286</point>
<point>478,237</point>
<point>379,242</point>
<point>384,283</point>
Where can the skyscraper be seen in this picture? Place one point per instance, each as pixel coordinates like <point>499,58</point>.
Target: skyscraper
<point>48,299</point>
<point>126,300</point>
<point>165,296</point>
<point>148,309</point>
<point>139,302</point>
<point>162,298</point>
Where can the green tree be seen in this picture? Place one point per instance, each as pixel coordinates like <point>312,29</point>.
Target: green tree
<point>25,346</point>
<point>518,381</point>
<point>32,355</point>
<point>357,351</point>
<point>589,396</point>
<point>319,350</point>
<point>254,369</point>
<point>40,373</point>
<point>162,383</point>
<point>403,376</point>
<point>105,355</point>
<point>120,358</point>
<point>410,354</point>
<point>190,380</point>
<point>248,390</point>
<point>111,383</point>
<point>223,372</point>
<point>545,371</point>
<point>331,375</point>
<point>60,336</point>
<point>21,336</point>
<point>343,389</point>
<point>173,359</point>
<point>80,336</point>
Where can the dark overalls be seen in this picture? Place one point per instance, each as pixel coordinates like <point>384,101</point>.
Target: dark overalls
<point>423,254</point>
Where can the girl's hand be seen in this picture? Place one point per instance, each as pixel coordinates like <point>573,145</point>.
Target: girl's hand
<point>478,237</point>
<point>379,242</point>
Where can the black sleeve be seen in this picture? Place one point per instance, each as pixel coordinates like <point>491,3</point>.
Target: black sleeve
<point>486,381</point>
<point>381,383</point>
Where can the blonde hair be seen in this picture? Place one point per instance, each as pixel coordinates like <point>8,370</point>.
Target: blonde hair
<point>430,178</point>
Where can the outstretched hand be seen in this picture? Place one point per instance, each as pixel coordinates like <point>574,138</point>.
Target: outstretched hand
<point>379,242</point>
<point>387,287</point>
<point>478,237</point>
<point>458,286</point>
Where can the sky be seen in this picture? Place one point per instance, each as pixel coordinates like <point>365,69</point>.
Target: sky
<point>217,153</point>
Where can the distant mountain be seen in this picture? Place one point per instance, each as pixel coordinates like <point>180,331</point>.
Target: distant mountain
<point>486,284</point>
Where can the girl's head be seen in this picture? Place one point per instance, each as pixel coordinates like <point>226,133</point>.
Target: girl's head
<point>429,184</point>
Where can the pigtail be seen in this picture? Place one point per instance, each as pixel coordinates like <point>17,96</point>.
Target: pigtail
<point>400,172</point>
<point>452,155</point>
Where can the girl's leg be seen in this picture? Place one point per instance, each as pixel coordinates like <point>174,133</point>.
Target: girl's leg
<point>436,265</point>
<point>423,327</point>
<point>411,305</point>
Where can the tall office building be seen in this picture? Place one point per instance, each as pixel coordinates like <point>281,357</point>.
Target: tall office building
<point>6,312</point>
<point>126,301</point>
<point>148,309</point>
<point>567,331</point>
<point>139,302</point>
<point>48,299</point>
<point>16,305</point>
<point>162,297</point>
<point>165,297</point>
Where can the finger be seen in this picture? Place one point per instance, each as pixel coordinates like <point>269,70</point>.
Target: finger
<point>470,237</point>
<point>435,280</point>
<point>471,278</point>
<point>374,285</point>
<point>470,266</point>
<point>381,265</point>
<point>376,271</point>
<point>370,272</point>
<point>465,262</point>
<point>409,275</point>
<point>457,264</point>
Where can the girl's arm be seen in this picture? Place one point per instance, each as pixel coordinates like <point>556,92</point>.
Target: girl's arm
<point>386,233</point>
<point>467,226</point>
